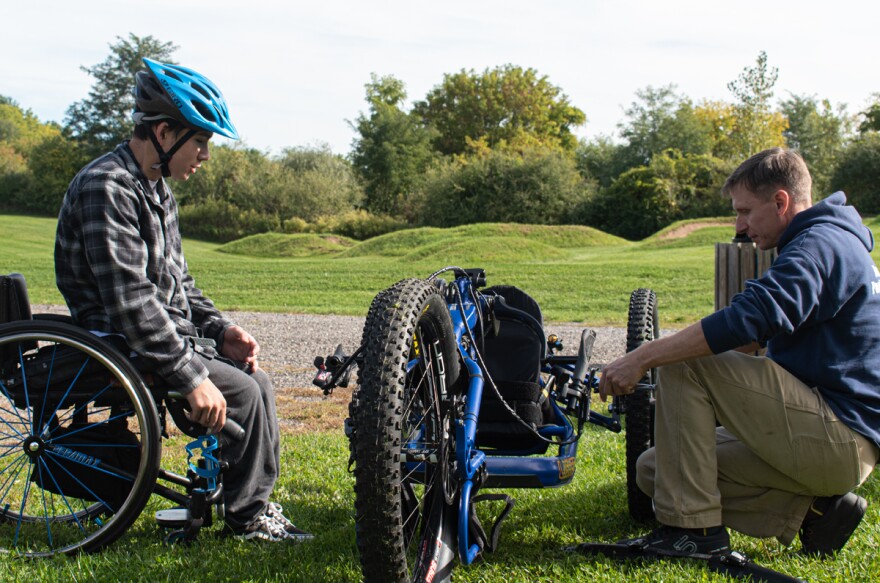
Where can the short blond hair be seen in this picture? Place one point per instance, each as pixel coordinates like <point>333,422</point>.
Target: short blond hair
<point>771,170</point>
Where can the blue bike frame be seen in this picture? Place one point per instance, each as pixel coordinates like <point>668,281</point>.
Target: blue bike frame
<point>503,468</point>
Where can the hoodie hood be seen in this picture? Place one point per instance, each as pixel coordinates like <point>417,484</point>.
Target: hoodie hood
<point>835,211</point>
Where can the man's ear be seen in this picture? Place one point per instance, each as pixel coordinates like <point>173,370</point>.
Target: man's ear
<point>783,201</point>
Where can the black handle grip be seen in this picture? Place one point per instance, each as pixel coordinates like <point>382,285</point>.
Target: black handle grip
<point>585,353</point>
<point>233,430</point>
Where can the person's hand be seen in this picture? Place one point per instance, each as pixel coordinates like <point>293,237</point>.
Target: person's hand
<point>621,376</point>
<point>241,346</point>
<point>208,406</point>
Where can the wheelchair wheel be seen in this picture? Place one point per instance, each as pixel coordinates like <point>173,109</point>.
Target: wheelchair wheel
<point>79,440</point>
<point>642,326</point>
<point>403,437</point>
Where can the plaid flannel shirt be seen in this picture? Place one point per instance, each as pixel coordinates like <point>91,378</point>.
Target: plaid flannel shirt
<point>119,265</point>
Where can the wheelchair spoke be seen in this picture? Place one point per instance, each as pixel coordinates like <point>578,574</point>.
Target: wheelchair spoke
<point>10,479</point>
<point>88,462</point>
<point>79,439</point>
<point>14,412</point>
<point>25,387</point>
<point>64,498</point>
<point>79,482</point>
<point>63,399</point>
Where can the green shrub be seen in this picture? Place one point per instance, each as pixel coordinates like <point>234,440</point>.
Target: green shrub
<point>538,186</point>
<point>218,220</point>
<point>359,224</point>
<point>858,173</point>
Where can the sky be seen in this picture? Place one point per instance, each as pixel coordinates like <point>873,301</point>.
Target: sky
<point>294,73</point>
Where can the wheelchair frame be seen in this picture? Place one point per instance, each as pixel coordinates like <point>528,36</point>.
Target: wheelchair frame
<point>73,410</point>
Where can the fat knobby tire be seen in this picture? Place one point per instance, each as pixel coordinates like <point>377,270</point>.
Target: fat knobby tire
<point>399,537</point>
<point>642,327</point>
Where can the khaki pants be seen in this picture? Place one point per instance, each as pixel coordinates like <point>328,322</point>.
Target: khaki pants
<point>778,447</point>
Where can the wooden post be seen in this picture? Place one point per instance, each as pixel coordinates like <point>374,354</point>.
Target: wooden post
<point>735,263</point>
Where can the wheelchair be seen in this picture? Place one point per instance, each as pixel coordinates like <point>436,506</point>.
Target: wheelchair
<point>81,439</point>
<point>459,389</point>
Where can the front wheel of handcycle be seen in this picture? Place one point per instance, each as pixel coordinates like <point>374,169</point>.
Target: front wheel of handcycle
<point>642,326</point>
<point>79,440</point>
<point>403,437</point>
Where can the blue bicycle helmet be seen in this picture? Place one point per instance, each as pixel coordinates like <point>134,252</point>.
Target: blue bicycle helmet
<point>173,91</point>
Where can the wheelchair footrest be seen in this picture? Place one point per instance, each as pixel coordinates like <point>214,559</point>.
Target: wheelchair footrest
<point>172,517</point>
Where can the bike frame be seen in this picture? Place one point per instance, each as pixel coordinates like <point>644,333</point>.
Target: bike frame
<point>513,468</point>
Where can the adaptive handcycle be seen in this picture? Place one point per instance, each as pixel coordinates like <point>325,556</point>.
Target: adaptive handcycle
<point>81,439</point>
<point>460,390</point>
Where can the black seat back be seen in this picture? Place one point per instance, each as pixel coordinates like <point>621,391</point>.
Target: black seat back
<point>14,306</point>
<point>514,357</point>
<point>14,302</point>
<point>517,351</point>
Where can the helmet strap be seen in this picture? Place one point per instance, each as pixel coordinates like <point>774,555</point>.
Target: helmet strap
<point>165,157</point>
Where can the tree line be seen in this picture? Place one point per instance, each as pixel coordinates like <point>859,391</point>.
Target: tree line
<point>490,146</point>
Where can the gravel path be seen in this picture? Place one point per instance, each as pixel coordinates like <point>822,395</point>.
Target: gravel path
<point>290,342</point>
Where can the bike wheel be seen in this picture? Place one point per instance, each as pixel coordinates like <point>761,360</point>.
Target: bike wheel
<point>79,440</point>
<point>642,326</point>
<point>402,413</point>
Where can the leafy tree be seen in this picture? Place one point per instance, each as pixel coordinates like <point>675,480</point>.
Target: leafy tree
<point>672,187</point>
<point>661,119</point>
<point>540,186</point>
<point>103,119</point>
<point>36,161</point>
<point>322,183</point>
<point>506,107</point>
<point>757,127</point>
<point>858,173</point>
<point>52,164</point>
<point>393,150</point>
<point>243,185</point>
<point>21,130</point>
<point>720,119</point>
<point>871,116</point>
<point>818,132</point>
<point>601,159</point>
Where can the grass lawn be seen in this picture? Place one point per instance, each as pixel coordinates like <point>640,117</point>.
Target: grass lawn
<point>316,491</point>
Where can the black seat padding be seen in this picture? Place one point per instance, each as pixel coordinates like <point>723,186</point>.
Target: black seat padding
<point>513,358</point>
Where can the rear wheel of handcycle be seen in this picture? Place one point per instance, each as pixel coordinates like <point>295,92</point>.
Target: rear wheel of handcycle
<point>642,326</point>
<point>403,439</point>
<point>79,440</point>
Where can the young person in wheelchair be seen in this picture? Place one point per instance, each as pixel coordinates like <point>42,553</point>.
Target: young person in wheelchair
<point>120,267</point>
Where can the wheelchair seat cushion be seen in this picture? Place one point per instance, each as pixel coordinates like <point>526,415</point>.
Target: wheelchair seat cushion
<point>497,428</point>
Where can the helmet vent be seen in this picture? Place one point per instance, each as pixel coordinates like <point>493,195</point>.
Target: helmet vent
<point>203,91</point>
<point>206,112</point>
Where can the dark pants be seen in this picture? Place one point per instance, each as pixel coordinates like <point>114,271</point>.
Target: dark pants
<point>253,461</point>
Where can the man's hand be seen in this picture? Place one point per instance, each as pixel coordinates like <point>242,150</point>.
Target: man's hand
<point>620,377</point>
<point>208,406</point>
<point>241,346</point>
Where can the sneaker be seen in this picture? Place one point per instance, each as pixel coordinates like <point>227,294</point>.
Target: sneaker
<point>262,528</point>
<point>683,542</point>
<point>274,512</point>
<point>830,522</point>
